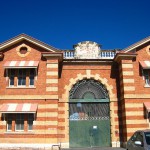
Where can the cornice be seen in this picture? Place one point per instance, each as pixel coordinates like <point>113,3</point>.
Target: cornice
<point>49,55</point>
<point>127,56</point>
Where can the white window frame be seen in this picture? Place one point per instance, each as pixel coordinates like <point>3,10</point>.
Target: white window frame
<point>24,74</point>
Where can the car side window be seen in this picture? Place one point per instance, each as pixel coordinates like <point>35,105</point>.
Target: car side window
<point>133,138</point>
<point>139,137</point>
<point>147,136</point>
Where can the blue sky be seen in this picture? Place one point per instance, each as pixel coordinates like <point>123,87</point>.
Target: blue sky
<point>63,23</point>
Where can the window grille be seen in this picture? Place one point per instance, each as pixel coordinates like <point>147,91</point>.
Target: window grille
<point>92,86</point>
<point>89,111</point>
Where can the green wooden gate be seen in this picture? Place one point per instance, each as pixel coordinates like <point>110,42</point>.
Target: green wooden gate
<point>89,115</point>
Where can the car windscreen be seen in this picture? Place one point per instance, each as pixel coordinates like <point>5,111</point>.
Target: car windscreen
<point>147,137</point>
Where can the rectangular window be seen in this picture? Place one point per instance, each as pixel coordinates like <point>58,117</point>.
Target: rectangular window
<point>19,122</point>
<point>24,76</point>
<point>31,77</point>
<point>30,122</point>
<point>146,74</point>
<point>11,77</point>
<point>9,122</point>
<point>21,77</point>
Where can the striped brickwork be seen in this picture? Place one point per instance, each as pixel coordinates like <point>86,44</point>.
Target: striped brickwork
<point>62,122</point>
<point>55,76</point>
<point>52,89</point>
<point>127,86</point>
<point>133,116</point>
<point>115,131</point>
<point>132,110</point>
<point>45,125</point>
<point>113,105</point>
<point>52,77</point>
<point>126,77</point>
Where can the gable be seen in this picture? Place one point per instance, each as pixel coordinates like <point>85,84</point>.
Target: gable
<point>132,48</point>
<point>23,37</point>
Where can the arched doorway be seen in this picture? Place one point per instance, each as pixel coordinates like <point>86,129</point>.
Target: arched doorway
<point>89,115</point>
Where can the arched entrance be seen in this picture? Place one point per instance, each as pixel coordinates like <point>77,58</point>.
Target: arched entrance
<point>89,115</point>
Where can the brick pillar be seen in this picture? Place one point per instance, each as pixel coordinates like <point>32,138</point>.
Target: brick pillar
<point>51,103</point>
<point>126,77</point>
<point>52,89</point>
<point>132,116</point>
<point>127,87</point>
<point>52,77</point>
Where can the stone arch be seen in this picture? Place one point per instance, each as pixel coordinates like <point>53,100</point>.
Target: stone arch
<point>88,75</point>
<point>112,98</point>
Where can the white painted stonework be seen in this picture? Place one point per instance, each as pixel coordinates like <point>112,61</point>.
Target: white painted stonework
<point>19,146</point>
<point>87,50</point>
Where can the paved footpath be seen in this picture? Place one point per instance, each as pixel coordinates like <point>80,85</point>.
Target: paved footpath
<point>89,148</point>
<point>97,148</point>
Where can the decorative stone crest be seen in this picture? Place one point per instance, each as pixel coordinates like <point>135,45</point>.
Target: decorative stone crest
<point>87,50</point>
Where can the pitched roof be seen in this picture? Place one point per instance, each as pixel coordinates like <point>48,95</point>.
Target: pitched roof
<point>27,38</point>
<point>137,44</point>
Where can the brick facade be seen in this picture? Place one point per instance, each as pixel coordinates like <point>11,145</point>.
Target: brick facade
<point>56,75</point>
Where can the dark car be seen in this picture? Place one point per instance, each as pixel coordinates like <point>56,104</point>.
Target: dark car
<point>140,140</point>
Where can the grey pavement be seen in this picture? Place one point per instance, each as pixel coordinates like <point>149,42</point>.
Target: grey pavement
<point>88,148</point>
<point>97,148</point>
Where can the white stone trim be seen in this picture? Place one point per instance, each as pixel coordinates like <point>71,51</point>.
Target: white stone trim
<point>115,144</point>
<point>35,145</point>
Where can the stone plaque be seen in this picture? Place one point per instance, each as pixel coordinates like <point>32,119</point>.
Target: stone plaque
<point>87,50</point>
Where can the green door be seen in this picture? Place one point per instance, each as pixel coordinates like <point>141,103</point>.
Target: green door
<point>89,115</point>
<point>87,130</point>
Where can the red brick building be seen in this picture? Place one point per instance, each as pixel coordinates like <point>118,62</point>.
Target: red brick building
<point>77,98</point>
